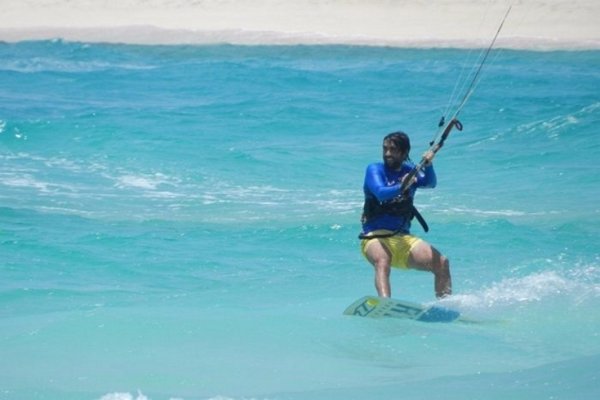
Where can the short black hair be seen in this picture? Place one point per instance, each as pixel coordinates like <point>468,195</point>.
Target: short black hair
<point>400,139</point>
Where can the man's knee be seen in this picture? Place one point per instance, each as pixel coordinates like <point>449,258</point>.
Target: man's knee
<point>382,265</point>
<point>444,262</point>
<point>441,265</point>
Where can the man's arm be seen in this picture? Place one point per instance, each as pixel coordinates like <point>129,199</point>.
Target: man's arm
<point>375,182</point>
<point>427,178</point>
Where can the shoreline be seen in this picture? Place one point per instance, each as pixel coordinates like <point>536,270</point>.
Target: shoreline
<point>151,35</point>
<point>531,25</point>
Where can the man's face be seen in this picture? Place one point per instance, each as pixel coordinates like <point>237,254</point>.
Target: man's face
<point>393,156</point>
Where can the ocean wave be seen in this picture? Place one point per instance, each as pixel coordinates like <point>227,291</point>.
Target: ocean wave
<point>25,181</point>
<point>484,213</point>
<point>149,182</point>
<point>552,128</point>
<point>86,187</point>
<point>37,65</point>
<point>71,58</point>
<point>98,191</point>
<point>140,396</point>
<point>124,396</point>
<point>574,286</point>
<point>442,213</point>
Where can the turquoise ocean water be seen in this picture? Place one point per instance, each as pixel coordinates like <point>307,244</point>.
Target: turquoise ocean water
<point>180,222</point>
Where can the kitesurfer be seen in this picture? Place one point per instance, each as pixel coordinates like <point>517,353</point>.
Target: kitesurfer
<point>388,210</point>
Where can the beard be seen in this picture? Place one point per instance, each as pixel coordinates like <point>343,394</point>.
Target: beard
<point>392,163</point>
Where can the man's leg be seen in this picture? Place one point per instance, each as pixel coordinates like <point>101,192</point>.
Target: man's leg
<point>426,258</point>
<point>381,259</point>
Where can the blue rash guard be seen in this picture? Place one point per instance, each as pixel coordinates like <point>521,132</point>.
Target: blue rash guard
<point>384,184</point>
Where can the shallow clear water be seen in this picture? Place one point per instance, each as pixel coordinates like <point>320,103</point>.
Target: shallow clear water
<point>180,222</point>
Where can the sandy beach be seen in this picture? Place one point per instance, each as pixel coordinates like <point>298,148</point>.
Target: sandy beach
<point>533,24</point>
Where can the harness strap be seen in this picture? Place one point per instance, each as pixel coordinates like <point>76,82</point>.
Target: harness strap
<point>420,218</point>
<point>416,214</point>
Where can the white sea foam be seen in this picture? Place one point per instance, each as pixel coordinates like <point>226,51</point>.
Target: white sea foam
<point>140,396</point>
<point>123,396</point>
<point>24,181</point>
<point>578,285</point>
<point>145,181</point>
<point>45,64</point>
<point>136,182</point>
<point>489,213</point>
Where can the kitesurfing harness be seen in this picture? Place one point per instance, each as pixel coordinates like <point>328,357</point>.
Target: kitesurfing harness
<point>401,206</point>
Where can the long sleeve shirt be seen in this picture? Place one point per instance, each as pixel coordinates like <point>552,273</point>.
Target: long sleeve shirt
<point>384,185</point>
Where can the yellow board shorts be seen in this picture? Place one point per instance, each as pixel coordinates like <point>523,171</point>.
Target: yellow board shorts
<point>398,245</point>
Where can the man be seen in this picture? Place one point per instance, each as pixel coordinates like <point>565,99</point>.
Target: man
<point>386,239</point>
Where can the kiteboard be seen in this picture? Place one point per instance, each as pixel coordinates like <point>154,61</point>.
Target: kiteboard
<point>381,307</point>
